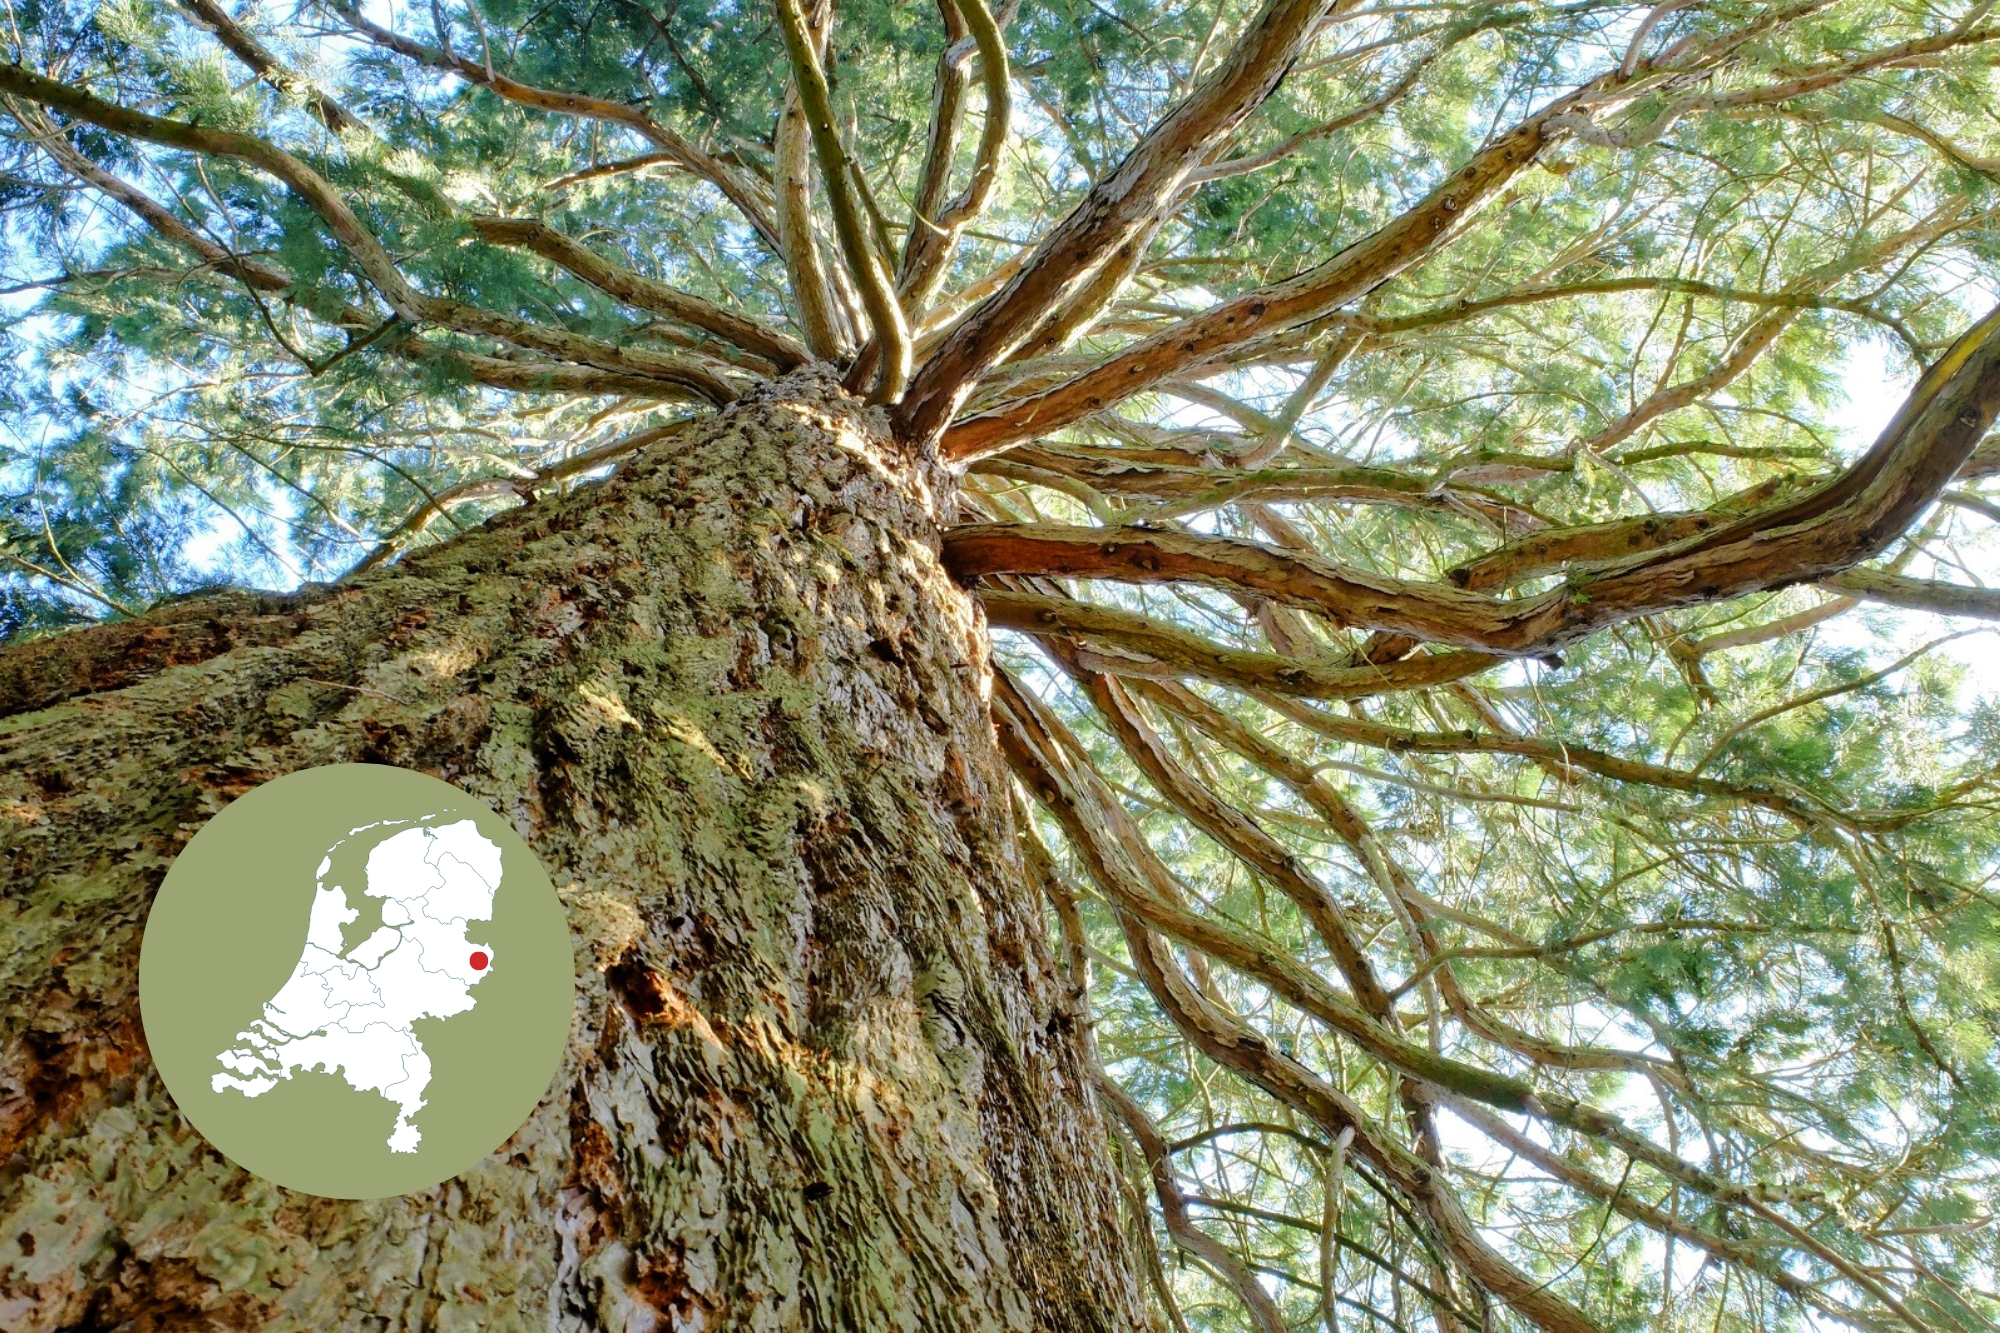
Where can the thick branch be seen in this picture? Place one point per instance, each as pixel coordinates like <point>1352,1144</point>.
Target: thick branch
<point>1354,271</point>
<point>536,376</point>
<point>253,53</point>
<point>940,150</point>
<point>798,242</point>
<point>1116,212</point>
<point>1822,533</point>
<point>1170,651</point>
<point>1554,549</point>
<point>934,231</point>
<point>865,262</point>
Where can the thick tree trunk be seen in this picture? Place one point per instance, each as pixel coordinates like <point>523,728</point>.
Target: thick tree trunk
<point>822,1074</point>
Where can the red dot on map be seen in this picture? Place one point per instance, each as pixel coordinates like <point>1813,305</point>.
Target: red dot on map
<point>479,962</point>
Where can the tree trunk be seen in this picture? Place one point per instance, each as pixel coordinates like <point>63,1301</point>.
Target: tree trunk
<point>822,1073</point>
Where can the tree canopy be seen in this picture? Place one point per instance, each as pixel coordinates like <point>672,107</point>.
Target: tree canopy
<point>1498,758</point>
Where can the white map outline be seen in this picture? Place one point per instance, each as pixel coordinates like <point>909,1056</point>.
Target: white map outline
<point>354,1015</point>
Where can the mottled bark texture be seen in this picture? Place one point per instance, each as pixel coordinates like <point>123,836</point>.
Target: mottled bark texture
<point>822,1074</point>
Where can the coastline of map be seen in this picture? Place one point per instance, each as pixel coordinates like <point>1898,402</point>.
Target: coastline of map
<point>352,1012</point>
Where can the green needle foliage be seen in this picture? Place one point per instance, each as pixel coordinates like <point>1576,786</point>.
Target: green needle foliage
<point>1719,870</point>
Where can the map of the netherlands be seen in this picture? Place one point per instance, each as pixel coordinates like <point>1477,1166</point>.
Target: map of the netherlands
<point>351,1011</point>
<point>320,943</point>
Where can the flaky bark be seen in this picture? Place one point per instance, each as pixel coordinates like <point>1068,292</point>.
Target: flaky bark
<point>823,1073</point>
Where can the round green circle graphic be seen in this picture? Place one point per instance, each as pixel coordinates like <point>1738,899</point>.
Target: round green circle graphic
<point>356,981</point>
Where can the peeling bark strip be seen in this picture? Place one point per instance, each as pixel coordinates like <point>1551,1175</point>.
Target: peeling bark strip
<point>819,1076</point>
<point>1818,535</point>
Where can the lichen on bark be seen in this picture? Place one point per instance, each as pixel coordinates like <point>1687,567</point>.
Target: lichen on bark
<point>822,1074</point>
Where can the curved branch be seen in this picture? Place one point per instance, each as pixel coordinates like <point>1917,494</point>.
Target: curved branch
<point>865,262</point>
<point>1263,1311</point>
<point>1827,530</point>
<point>309,185</point>
<point>642,292</point>
<point>1173,652</point>
<point>1359,268</point>
<point>932,239</point>
<point>702,163</point>
<point>1126,203</point>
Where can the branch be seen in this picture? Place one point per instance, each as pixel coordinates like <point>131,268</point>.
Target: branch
<point>940,150</point>
<point>695,159</point>
<point>1395,884</point>
<point>642,292</point>
<point>1263,1311</point>
<point>1173,652</point>
<point>1118,210</point>
<point>1241,836</point>
<point>146,208</point>
<point>535,376</point>
<point>1470,308</point>
<point>798,241</point>
<point>268,67</point>
<point>696,379</point>
<point>1457,33</point>
<point>618,168</point>
<point>1359,268</point>
<point>493,488</point>
<point>865,263</point>
<point>1945,599</point>
<point>308,184</point>
<point>1564,759</point>
<point>1822,533</point>
<point>933,238</point>
<point>1762,332</point>
<point>1553,549</point>
<point>1302,988</point>
<point>1181,482</point>
<point>1812,79</point>
<point>411,306</point>
<point>1746,1254</point>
